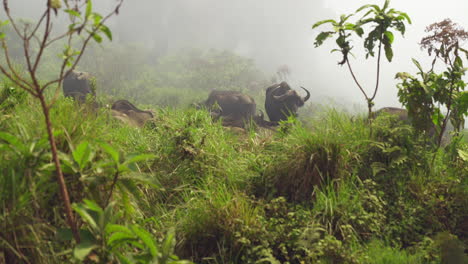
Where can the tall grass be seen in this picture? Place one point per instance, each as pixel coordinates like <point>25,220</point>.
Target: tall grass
<point>320,190</point>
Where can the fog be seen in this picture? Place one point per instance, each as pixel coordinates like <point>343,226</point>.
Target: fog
<point>275,33</point>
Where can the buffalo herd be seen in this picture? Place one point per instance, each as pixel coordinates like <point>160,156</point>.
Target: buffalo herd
<point>236,109</point>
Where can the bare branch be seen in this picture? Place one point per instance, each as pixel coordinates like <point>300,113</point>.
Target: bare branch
<point>33,32</point>
<point>378,69</point>
<point>44,40</point>
<point>10,65</point>
<point>83,48</point>
<point>355,80</point>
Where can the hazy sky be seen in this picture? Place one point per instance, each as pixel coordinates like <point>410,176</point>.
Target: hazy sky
<point>274,33</point>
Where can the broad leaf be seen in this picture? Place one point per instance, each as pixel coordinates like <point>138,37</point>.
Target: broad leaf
<point>82,154</point>
<point>14,141</point>
<point>83,249</point>
<point>417,65</point>
<point>322,37</point>
<point>107,32</point>
<point>81,210</point>
<point>333,22</point>
<point>111,151</point>
<point>388,52</point>
<point>147,239</point>
<point>389,36</point>
<point>89,9</point>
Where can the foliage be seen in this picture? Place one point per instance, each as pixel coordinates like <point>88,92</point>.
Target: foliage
<point>383,21</point>
<point>429,94</point>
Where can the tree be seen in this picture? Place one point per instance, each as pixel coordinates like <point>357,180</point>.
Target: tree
<point>382,20</point>
<point>35,39</point>
<point>428,95</point>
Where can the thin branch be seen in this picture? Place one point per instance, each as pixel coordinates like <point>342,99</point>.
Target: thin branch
<point>10,65</point>
<point>12,78</point>
<point>7,11</point>
<point>44,40</point>
<point>378,69</point>
<point>33,32</point>
<point>116,176</point>
<point>81,52</point>
<point>355,79</point>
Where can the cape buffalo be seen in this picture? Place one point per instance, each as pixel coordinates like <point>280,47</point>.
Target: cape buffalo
<point>77,85</point>
<point>281,101</point>
<point>235,107</point>
<point>403,116</point>
<point>127,112</point>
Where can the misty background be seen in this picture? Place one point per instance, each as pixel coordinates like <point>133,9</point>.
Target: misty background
<point>274,33</point>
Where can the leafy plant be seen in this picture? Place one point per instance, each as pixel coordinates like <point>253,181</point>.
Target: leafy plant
<point>82,19</point>
<point>383,20</point>
<point>103,240</point>
<point>427,95</point>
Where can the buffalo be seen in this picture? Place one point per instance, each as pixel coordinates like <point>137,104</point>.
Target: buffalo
<point>77,85</point>
<point>281,101</point>
<point>235,107</point>
<point>403,116</point>
<point>127,112</point>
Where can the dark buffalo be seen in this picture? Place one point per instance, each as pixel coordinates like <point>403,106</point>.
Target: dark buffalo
<point>127,112</point>
<point>281,101</point>
<point>77,85</point>
<point>404,117</point>
<point>400,112</point>
<point>235,107</point>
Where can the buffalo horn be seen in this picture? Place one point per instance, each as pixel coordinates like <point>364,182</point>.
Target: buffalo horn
<point>307,96</point>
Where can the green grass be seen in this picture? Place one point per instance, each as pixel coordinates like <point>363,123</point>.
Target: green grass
<point>319,190</point>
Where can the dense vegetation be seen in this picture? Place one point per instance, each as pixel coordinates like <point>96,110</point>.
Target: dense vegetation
<point>328,188</point>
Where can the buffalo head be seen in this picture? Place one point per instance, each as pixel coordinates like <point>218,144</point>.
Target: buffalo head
<point>127,112</point>
<point>77,85</point>
<point>281,101</point>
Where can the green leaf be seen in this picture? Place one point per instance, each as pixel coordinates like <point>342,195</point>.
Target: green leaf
<point>81,210</point>
<point>123,259</point>
<point>405,16</point>
<point>111,151</point>
<point>97,19</point>
<point>387,2</point>
<point>14,141</point>
<point>333,22</point>
<point>389,36</point>
<point>322,37</point>
<point>83,249</point>
<point>359,31</point>
<point>82,154</point>
<point>388,52</point>
<point>169,242</point>
<point>89,9</point>
<point>147,239</point>
<point>417,65</point>
<point>137,158</point>
<point>107,32</point>
<point>111,228</point>
<point>96,37</point>
<point>463,155</point>
<point>73,13</point>
<point>119,237</point>
<point>93,206</point>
